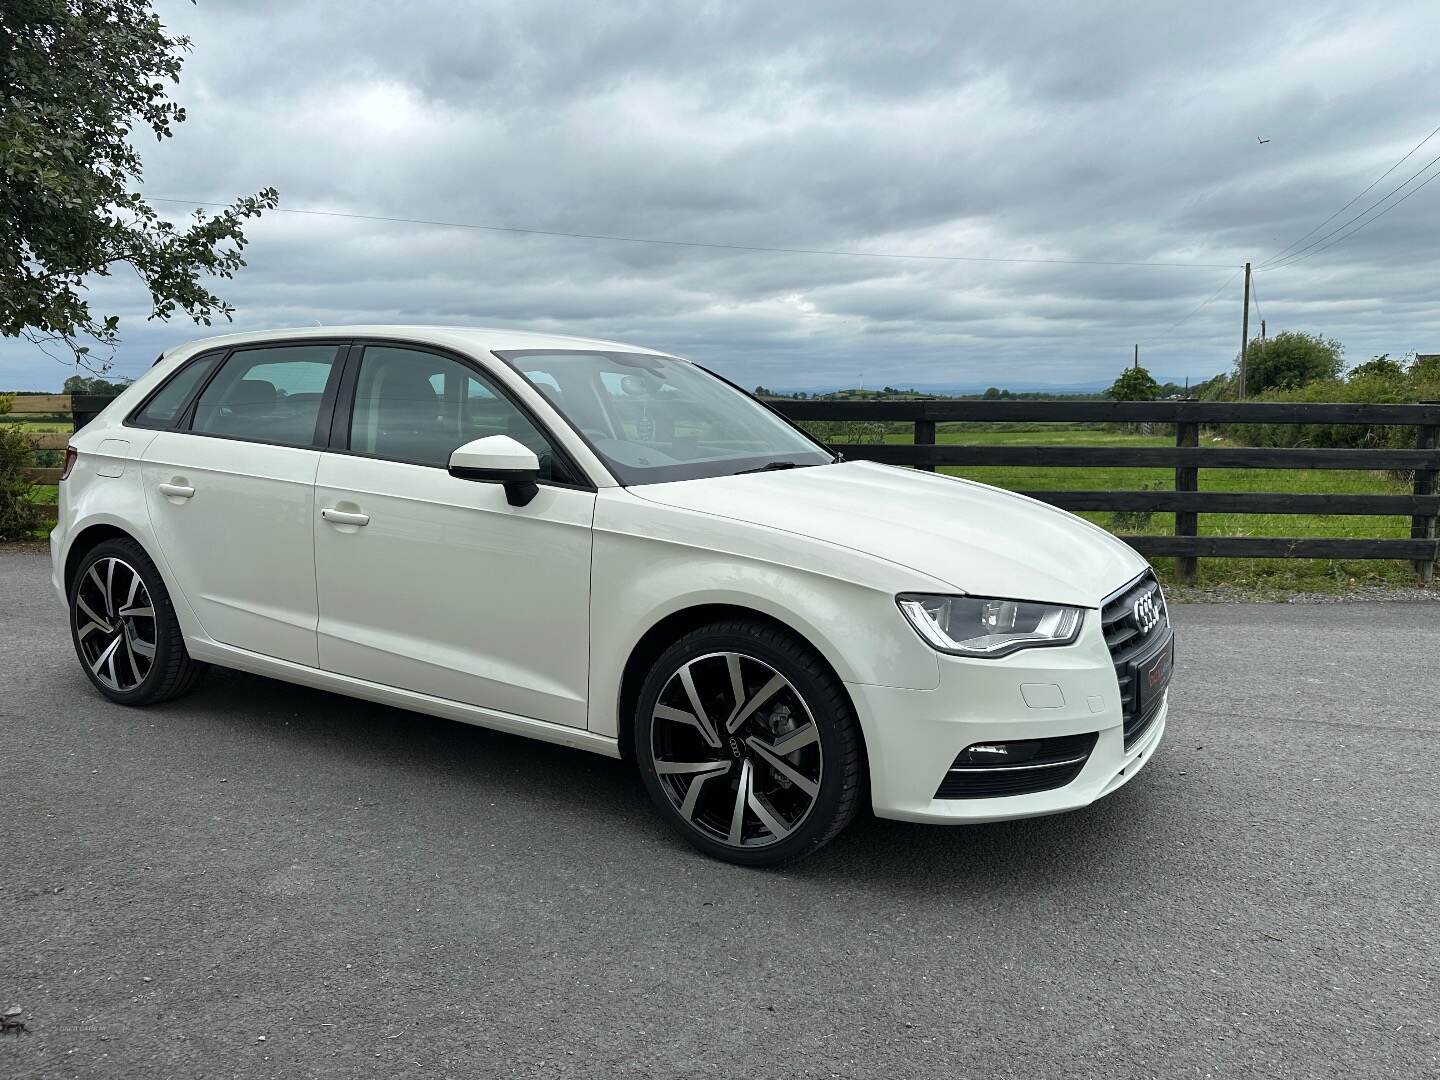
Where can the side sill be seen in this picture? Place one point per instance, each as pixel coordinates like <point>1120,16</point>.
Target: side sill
<point>213,652</point>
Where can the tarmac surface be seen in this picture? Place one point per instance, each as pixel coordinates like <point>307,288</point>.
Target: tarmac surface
<point>260,880</point>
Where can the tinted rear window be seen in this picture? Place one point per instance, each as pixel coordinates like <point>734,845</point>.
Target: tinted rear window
<point>268,395</point>
<point>161,410</point>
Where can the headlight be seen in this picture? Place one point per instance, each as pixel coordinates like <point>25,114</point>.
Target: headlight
<point>979,626</point>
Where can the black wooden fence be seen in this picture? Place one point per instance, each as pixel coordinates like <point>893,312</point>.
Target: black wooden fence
<point>1187,457</point>
<point>73,410</point>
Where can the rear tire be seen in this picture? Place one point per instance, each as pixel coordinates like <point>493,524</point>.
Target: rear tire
<point>124,629</point>
<point>748,744</point>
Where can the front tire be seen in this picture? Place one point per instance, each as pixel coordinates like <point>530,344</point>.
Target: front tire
<point>124,629</point>
<point>748,744</point>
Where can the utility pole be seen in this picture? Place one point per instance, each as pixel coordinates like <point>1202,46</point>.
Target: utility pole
<point>1262,329</point>
<point>1137,356</point>
<point>1245,332</point>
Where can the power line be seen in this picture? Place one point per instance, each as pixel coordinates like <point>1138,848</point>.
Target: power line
<point>717,246</point>
<point>1353,201</point>
<point>1352,232</point>
<point>1255,297</point>
<point>1301,253</point>
<point>1203,303</point>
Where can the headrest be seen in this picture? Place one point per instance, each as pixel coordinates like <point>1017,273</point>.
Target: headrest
<point>252,392</point>
<point>402,386</point>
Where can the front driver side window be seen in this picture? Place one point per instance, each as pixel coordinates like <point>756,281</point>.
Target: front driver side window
<point>417,407</point>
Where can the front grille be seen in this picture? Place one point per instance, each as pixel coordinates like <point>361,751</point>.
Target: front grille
<point>1041,764</point>
<point>1134,645</point>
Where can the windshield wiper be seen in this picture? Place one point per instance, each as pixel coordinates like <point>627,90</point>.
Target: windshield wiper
<point>774,466</point>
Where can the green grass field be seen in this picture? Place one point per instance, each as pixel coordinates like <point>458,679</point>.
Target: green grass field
<point>38,422</point>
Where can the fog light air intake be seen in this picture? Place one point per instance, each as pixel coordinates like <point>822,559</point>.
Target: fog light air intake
<point>994,769</point>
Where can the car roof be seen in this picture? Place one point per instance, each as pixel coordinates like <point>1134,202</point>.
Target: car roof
<point>488,339</point>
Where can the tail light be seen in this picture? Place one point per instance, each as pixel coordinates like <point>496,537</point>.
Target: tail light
<point>70,455</point>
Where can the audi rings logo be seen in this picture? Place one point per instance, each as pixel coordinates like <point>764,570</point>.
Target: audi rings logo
<point>1146,612</point>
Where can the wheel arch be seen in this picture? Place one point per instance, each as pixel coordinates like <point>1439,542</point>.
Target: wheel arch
<point>675,625</point>
<point>94,530</point>
<point>89,538</point>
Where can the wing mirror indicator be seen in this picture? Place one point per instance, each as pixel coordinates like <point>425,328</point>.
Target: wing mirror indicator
<point>499,459</point>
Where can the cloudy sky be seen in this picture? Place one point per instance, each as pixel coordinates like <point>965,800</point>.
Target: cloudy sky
<point>1096,132</point>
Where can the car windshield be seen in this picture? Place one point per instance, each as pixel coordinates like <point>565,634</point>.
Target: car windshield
<point>654,419</point>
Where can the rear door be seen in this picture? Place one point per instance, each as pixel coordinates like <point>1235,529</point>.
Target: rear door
<point>231,494</point>
<point>437,584</point>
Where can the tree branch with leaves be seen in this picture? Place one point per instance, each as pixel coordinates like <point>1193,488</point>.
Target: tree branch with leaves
<point>76,78</point>
<point>1134,384</point>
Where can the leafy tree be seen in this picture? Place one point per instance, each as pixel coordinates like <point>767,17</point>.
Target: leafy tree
<point>1134,384</point>
<point>79,384</point>
<point>76,76</point>
<point>1289,360</point>
<point>1218,388</point>
<point>1377,367</point>
<point>1378,381</point>
<point>18,516</point>
<point>1425,369</point>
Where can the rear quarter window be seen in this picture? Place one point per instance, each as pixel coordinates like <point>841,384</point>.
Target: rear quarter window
<point>164,406</point>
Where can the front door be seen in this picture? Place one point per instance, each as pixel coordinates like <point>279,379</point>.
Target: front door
<point>436,584</point>
<point>231,496</point>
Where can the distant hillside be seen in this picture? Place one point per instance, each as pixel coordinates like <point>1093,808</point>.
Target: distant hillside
<point>940,389</point>
<point>1170,386</point>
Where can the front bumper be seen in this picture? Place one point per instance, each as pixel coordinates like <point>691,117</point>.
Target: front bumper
<point>913,736</point>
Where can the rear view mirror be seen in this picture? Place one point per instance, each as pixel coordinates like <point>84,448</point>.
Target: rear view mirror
<point>499,459</point>
<point>637,386</point>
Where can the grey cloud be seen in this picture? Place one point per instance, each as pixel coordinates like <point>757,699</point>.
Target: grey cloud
<point>1040,130</point>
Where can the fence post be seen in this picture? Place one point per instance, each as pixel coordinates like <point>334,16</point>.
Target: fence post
<point>85,407</point>
<point>1187,522</point>
<point>1422,526</point>
<point>925,436</point>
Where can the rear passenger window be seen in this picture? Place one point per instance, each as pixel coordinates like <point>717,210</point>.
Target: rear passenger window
<point>268,395</point>
<point>160,411</point>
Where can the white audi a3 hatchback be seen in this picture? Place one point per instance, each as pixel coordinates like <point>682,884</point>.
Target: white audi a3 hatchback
<point>612,549</point>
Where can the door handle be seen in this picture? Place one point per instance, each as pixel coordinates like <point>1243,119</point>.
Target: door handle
<point>177,491</point>
<point>344,517</point>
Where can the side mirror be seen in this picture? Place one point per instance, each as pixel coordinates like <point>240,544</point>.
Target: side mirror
<point>499,459</point>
